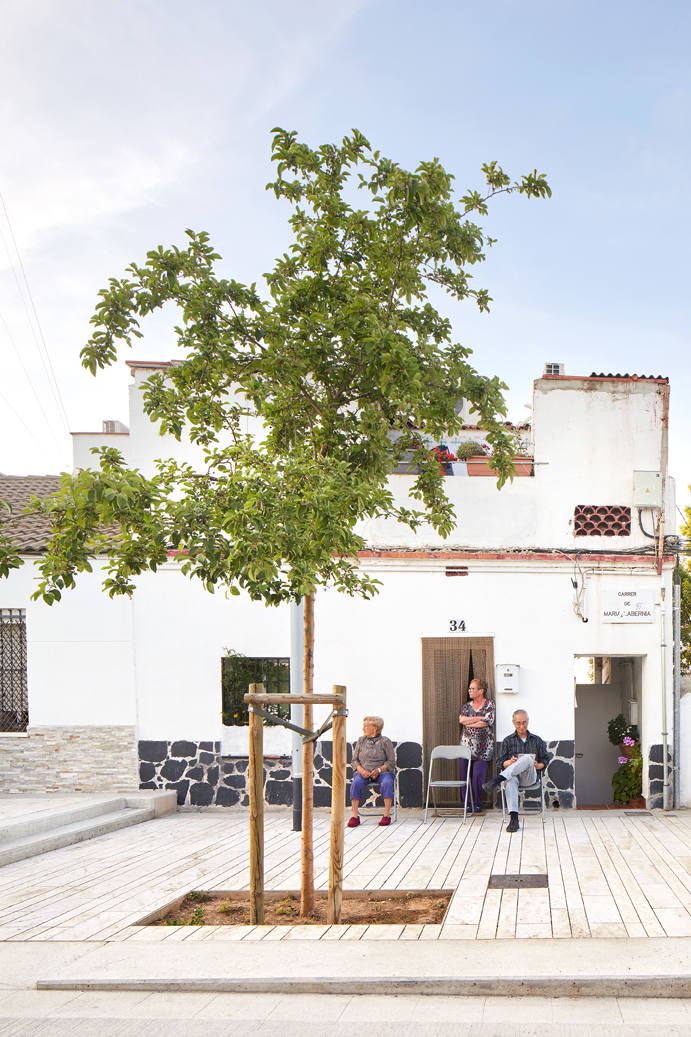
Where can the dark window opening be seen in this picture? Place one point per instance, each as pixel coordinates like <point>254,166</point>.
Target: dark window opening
<point>589,520</point>
<point>238,672</point>
<point>14,701</point>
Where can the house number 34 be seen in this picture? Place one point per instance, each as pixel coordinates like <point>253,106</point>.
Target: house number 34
<point>456,624</point>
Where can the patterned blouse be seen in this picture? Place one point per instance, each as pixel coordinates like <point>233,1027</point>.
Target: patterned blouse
<point>480,740</point>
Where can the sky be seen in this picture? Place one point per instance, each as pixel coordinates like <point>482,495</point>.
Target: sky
<point>124,123</point>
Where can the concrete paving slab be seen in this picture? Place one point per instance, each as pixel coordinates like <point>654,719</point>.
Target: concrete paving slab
<point>612,968</point>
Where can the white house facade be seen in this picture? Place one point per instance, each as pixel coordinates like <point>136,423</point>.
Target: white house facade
<point>557,589</point>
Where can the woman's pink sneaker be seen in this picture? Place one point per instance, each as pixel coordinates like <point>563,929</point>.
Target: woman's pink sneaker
<point>353,822</point>
<point>385,821</point>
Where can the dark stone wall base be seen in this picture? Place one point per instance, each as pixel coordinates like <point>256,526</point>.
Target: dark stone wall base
<point>656,775</point>
<point>202,777</point>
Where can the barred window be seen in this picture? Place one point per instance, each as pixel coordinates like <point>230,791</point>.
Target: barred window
<point>14,702</point>
<point>589,520</point>
<point>238,672</point>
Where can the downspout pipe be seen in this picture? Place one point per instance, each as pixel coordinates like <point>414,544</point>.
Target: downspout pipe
<point>676,620</point>
<point>297,627</point>
<point>663,661</point>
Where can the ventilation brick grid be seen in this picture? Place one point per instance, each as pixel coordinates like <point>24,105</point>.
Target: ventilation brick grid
<point>612,521</point>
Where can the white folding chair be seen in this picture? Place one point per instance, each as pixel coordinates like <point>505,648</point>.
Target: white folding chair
<point>525,788</point>
<point>450,752</point>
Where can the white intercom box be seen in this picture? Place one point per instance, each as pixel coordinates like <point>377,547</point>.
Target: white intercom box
<point>508,675</point>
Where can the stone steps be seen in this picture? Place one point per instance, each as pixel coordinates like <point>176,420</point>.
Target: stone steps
<point>53,829</point>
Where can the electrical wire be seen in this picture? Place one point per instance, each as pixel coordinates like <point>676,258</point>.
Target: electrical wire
<point>47,363</point>
<point>21,421</point>
<point>33,388</point>
<point>651,536</point>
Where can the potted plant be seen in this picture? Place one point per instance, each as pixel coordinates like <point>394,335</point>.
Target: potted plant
<point>627,781</point>
<point>474,454</point>
<point>444,457</point>
<point>623,734</point>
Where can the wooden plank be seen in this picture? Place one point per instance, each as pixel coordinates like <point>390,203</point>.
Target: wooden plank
<point>307,700</point>
<point>337,813</point>
<point>256,775</point>
<point>306,844</point>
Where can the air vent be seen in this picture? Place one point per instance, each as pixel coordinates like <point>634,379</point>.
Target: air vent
<point>589,520</point>
<point>115,428</point>
<point>457,570</point>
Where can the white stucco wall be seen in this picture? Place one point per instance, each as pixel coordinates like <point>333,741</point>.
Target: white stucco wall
<point>79,653</point>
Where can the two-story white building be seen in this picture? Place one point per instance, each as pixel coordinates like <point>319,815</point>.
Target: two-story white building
<point>556,589</point>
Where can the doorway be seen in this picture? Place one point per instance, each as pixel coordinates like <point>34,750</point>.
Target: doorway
<point>448,666</point>
<point>604,688</point>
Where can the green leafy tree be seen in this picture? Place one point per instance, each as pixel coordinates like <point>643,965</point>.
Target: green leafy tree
<point>342,363</point>
<point>343,359</point>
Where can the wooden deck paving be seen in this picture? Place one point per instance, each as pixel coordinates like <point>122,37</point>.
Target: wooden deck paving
<point>609,875</point>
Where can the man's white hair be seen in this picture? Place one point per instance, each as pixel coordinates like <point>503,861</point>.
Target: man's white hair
<point>518,712</point>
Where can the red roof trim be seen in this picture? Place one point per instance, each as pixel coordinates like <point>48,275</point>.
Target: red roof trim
<point>510,557</point>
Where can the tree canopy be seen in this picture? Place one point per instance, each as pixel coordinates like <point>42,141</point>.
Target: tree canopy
<point>342,359</point>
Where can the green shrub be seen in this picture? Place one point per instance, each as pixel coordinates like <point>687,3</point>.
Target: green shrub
<point>618,729</point>
<point>471,448</point>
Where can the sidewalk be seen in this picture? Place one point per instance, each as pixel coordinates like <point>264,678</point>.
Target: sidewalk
<point>613,920</point>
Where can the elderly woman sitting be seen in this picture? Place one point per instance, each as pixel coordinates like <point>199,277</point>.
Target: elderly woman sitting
<point>373,760</point>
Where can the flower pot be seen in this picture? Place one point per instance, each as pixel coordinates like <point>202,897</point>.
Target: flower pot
<point>523,465</point>
<point>628,750</point>
<point>479,466</point>
<point>636,804</point>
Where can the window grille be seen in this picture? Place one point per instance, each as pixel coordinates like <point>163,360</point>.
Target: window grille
<point>14,701</point>
<point>238,672</point>
<point>605,521</point>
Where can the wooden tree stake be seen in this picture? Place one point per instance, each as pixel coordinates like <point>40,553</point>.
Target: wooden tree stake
<point>306,846</point>
<point>256,770</point>
<point>337,811</point>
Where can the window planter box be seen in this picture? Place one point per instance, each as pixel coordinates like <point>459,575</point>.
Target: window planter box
<point>479,466</point>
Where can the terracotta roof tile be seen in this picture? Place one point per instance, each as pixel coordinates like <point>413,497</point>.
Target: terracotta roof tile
<point>28,532</point>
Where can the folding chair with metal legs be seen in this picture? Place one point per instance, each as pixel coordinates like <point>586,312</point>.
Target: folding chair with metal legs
<point>450,752</point>
<point>525,788</point>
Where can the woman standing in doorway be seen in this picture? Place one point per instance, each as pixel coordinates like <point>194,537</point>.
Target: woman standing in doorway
<point>477,732</point>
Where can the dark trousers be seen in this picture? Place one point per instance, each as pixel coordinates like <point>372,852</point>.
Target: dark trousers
<point>478,776</point>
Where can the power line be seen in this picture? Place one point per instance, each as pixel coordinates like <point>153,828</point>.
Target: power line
<point>17,416</point>
<point>33,388</point>
<point>47,363</point>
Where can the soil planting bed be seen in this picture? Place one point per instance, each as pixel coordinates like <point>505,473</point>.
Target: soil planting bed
<point>360,907</point>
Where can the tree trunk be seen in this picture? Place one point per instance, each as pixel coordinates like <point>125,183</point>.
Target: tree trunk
<point>307,851</point>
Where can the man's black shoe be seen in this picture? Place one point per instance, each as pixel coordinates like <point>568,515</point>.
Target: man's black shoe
<point>492,783</point>
<point>513,825</point>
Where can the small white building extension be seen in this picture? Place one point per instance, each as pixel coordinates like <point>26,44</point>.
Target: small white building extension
<point>554,588</point>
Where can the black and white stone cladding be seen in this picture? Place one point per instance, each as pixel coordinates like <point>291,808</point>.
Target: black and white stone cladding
<point>203,777</point>
<point>560,779</point>
<point>656,775</point>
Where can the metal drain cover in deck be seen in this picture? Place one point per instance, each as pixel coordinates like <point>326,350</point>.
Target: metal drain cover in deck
<point>517,882</point>
<point>638,813</point>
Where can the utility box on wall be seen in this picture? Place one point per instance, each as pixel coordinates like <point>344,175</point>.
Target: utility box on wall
<point>508,678</point>
<point>647,489</point>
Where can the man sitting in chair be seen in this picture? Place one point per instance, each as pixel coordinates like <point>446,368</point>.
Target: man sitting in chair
<point>520,757</point>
